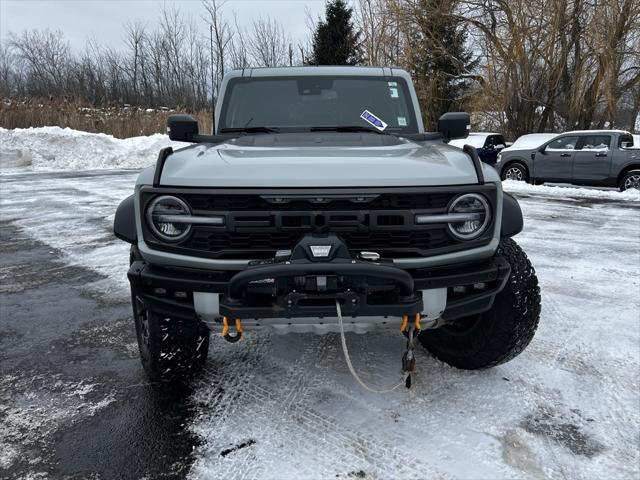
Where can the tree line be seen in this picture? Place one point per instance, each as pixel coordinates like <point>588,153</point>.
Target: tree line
<point>520,66</point>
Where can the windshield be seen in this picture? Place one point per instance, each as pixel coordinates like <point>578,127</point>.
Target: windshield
<point>301,103</point>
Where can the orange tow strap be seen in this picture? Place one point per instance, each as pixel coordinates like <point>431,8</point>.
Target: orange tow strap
<point>405,323</point>
<point>225,330</point>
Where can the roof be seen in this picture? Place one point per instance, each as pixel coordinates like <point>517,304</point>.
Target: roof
<point>531,141</point>
<point>320,70</point>
<point>475,139</point>
<point>595,131</point>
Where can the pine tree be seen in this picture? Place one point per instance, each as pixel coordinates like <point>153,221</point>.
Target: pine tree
<point>336,41</point>
<point>439,59</point>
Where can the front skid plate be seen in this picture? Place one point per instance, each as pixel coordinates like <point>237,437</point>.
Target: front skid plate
<point>283,326</point>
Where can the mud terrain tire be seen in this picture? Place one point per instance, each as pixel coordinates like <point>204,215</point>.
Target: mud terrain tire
<point>501,333</point>
<point>171,349</point>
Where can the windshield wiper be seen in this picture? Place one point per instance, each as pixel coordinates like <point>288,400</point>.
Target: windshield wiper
<point>348,128</point>
<point>250,130</point>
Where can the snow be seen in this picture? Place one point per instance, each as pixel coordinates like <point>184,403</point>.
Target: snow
<point>476,140</point>
<point>287,407</point>
<point>531,140</point>
<point>33,407</point>
<point>557,191</point>
<point>55,148</point>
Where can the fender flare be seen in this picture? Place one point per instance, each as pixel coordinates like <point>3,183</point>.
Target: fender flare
<point>124,223</point>
<point>512,221</point>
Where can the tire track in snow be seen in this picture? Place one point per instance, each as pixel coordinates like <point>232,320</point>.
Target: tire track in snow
<point>295,422</point>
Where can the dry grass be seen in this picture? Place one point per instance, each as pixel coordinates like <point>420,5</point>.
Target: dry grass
<point>121,121</point>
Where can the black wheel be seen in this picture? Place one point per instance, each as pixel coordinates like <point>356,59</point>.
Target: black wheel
<point>500,334</point>
<point>515,171</point>
<point>630,180</point>
<point>170,348</point>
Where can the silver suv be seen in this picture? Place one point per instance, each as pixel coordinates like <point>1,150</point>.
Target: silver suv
<point>586,157</point>
<point>320,195</point>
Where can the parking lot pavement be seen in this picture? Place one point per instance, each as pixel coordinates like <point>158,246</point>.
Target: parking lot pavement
<point>74,402</point>
<point>72,397</point>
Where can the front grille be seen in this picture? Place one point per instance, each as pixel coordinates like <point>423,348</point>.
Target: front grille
<point>264,245</point>
<point>268,202</point>
<point>259,224</point>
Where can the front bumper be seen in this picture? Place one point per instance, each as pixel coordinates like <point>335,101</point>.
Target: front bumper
<point>364,289</point>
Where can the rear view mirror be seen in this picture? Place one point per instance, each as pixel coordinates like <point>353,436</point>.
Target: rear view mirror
<point>182,128</point>
<point>454,125</point>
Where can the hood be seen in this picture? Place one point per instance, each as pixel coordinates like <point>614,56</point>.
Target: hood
<point>318,160</point>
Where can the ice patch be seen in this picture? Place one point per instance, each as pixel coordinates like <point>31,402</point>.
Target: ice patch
<point>33,409</point>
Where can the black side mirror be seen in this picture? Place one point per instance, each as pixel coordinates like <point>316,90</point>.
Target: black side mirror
<point>182,128</point>
<point>454,125</point>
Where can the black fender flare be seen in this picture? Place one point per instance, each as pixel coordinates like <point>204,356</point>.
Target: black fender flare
<point>512,221</point>
<point>124,223</point>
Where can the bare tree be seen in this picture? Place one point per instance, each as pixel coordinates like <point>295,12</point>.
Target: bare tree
<point>47,57</point>
<point>267,44</point>
<point>555,64</point>
<point>220,39</point>
<point>238,52</point>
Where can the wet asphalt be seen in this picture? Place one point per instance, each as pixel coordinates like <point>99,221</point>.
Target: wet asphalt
<point>55,339</point>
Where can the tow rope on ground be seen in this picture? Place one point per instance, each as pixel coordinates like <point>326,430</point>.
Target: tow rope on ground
<point>345,350</point>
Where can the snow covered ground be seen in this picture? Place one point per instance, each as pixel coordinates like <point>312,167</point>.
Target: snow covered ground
<point>286,407</point>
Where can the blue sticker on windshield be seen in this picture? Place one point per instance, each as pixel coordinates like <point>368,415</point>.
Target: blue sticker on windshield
<point>369,117</point>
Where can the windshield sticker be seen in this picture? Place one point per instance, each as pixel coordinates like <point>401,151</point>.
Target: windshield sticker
<point>369,117</point>
<point>393,92</point>
<point>402,121</point>
<point>392,84</point>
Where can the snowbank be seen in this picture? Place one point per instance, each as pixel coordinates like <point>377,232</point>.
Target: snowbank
<point>55,148</point>
<point>571,192</point>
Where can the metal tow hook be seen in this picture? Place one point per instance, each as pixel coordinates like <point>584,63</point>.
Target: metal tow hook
<point>225,330</point>
<point>408,358</point>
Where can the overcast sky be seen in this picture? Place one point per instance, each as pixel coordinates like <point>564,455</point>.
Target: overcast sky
<point>104,19</point>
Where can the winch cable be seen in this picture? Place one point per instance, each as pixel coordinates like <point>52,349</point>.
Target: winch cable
<point>345,350</point>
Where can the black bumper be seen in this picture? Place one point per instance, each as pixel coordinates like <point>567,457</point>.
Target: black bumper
<point>362,288</point>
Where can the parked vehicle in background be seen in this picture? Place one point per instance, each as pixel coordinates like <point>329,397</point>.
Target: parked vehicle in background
<point>516,154</point>
<point>487,144</point>
<point>585,157</point>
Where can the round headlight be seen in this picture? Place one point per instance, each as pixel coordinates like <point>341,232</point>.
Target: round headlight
<point>163,218</point>
<point>475,215</point>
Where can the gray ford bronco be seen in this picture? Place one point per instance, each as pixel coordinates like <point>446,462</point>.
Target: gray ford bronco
<point>320,195</point>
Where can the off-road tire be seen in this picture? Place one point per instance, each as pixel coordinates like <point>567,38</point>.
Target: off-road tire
<point>627,178</point>
<point>171,349</point>
<point>524,175</point>
<point>500,334</point>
